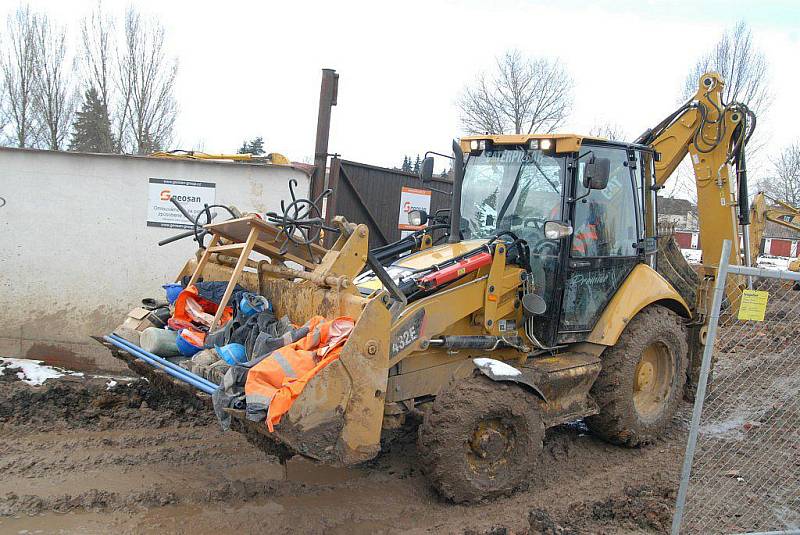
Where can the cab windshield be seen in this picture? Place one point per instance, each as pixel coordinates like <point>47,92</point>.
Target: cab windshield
<point>512,189</point>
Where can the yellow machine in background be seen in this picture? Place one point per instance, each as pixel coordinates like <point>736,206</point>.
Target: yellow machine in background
<point>781,213</point>
<point>553,299</point>
<point>272,157</point>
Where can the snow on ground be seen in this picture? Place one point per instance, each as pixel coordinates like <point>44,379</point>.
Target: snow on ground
<point>691,255</point>
<point>766,261</point>
<point>773,262</point>
<point>36,372</point>
<point>33,372</point>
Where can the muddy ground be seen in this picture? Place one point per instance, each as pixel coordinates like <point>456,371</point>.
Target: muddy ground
<point>78,456</point>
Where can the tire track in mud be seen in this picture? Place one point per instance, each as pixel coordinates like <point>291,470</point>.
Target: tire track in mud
<point>133,460</point>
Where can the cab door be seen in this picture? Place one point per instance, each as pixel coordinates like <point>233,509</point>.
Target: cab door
<point>603,248</point>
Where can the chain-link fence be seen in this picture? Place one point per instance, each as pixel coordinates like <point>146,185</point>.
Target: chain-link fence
<point>742,471</point>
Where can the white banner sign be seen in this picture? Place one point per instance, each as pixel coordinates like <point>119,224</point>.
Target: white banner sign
<point>191,195</point>
<point>412,199</point>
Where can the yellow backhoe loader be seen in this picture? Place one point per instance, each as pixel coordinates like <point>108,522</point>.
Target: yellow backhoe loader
<point>552,300</point>
<point>779,212</point>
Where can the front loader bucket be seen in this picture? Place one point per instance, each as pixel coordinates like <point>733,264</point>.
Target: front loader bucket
<point>337,418</point>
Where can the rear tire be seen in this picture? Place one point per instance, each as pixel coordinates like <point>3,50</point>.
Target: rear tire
<point>642,379</point>
<point>481,439</point>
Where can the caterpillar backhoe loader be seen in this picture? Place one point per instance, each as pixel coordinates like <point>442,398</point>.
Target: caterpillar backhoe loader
<point>552,300</point>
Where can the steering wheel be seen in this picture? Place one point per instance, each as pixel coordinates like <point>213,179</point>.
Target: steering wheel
<point>200,233</point>
<point>547,248</point>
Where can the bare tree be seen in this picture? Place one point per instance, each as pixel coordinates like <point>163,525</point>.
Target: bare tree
<point>96,31</point>
<point>784,184</point>
<point>146,79</point>
<point>742,66</point>
<point>99,62</point>
<point>19,63</point>
<point>55,97</point>
<point>608,130</point>
<point>523,95</point>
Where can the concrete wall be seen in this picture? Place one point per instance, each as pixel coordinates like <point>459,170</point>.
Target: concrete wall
<point>76,253</point>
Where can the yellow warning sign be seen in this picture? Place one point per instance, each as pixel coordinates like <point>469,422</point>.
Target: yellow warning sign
<point>753,305</point>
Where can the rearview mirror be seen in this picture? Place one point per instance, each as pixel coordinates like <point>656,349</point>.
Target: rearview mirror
<point>595,174</point>
<point>417,218</point>
<point>556,230</point>
<point>426,170</point>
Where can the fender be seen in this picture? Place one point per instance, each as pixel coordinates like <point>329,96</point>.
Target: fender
<point>644,286</point>
<point>500,371</point>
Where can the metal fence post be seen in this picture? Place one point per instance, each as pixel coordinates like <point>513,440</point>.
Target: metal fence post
<point>708,351</point>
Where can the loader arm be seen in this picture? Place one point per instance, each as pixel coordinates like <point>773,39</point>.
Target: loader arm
<point>714,135</point>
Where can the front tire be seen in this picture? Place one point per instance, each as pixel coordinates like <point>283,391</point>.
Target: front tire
<point>642,379</point>
<point>481,439</point>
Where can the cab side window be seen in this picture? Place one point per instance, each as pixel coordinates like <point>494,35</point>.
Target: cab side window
<point>605,220</point>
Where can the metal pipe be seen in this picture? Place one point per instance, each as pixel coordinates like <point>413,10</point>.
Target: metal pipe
<point>455,207</point>
<point>189,379</point>
<point>162,361</point>
<point>328,92</point>
<point>157,362</point>
<point>763,272</point>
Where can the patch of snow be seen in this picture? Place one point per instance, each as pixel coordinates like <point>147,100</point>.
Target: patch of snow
<point>497,367</point>
<point>773,262</point>
<point>35,372</point>
<point>692,255</point>
<point>32,372</point>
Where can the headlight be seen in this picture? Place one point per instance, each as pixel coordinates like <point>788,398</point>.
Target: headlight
<point>545,144</point>
<point>477,144</point>
<point>533,144</point>
<point>417,218</point>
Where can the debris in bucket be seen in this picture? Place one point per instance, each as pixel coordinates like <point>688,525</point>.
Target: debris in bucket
<point>260,362</point>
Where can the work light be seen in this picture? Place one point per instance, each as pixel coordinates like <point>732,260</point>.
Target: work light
<point>477,144</point>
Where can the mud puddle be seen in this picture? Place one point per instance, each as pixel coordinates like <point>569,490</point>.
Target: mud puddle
<point>303,470</point>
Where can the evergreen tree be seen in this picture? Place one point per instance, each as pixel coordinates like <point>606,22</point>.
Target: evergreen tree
<point>254,146</point>
<point>92,126</point>
<point>417,164</point>
<point>406,164</point>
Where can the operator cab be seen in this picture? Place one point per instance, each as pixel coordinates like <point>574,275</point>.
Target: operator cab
<point>585,207</point>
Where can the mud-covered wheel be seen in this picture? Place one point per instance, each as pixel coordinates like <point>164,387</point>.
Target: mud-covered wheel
<point>481,439</point>
<point>641,382</point>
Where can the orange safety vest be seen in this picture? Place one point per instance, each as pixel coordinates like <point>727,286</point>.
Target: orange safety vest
<point>582,239</point>
<point>276,381</point>
<point>183,316</point>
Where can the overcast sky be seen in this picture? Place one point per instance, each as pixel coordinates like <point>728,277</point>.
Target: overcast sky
<point>253,68</point>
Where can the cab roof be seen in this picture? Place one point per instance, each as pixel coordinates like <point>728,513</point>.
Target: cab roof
<point>563,142</point>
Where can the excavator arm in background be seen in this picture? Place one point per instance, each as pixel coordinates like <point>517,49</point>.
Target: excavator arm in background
<point>780,213</point>
<point>714,135</point>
